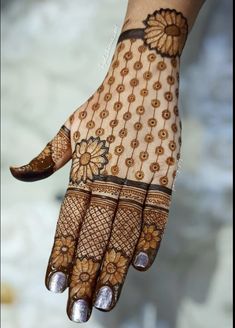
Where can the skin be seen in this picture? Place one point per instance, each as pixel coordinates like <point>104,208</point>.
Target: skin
<point>137,10</point>
<point>115,210</point>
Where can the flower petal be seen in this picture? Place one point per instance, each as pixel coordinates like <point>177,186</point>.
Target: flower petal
<point>169,18</point>
<point>89,172</point>
<point>84,174</point>
<point>112,256</point>
<point>122,261</point>
<point>153,22</point>
<point>79,266</point>
<point>100,150</point>
<point>146,229</point>
<point>77,150</point>
<point>153,28</point>
<point>160,20</point>
<point>83,147</point>
<point>92,145</point>
<point>95,268</point>
<point>141,243</point>
<point>117,278</point>
<point>117,257</point>
<point>154,34</point>
<point>85,265</point>
<point>175,46</point>
<point>99,161</point>
<point>153,244</point>
<point>161,42</point>
<point>178,20</point>
<point>94,168</point>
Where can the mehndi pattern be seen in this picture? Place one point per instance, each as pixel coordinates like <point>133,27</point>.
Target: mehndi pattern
<point>124,143</point>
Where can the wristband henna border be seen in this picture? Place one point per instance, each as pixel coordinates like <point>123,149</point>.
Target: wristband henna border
<point>165,32</point>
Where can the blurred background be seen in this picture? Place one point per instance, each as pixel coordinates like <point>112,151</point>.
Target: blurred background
<point>55,53</point>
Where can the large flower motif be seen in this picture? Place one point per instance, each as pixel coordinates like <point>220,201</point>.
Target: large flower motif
<point>83,276</point>
<point>149,238</point>
<point>166,32</point>
<point>114,268</point>
<point>89,158</point>
<point>62,252</point>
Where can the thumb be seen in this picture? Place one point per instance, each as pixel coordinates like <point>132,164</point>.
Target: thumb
<point>56,154</point>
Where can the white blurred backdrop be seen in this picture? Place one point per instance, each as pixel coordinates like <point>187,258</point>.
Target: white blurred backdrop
<point>55,53</point>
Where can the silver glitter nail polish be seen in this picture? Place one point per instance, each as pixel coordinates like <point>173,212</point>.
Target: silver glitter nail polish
<point>141,260</point>
<point>80,311</point>
<point>58,282</point>
<point>104,298</point>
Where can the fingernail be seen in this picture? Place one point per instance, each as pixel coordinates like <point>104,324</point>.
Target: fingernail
<point>141,260</point>
<point>58,282</point>
<point>80,311</point>
<point>104,298</point>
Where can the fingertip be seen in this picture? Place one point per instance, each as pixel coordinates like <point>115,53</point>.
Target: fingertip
<point>27,174</point>
<point>17,172</point>
<point>104,299</point>
<point>79,311</point>
<point>141,261</point>
<point>57,282</point>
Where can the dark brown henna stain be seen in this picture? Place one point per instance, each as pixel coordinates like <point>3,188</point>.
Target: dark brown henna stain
<point>45,164</point>
<point>155,216</point>
<point>37,169</point>
<point>125,234</point>
<point>165,32</point>
<point>72,212</point>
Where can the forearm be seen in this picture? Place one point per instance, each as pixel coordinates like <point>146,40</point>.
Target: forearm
<point>138,10</point>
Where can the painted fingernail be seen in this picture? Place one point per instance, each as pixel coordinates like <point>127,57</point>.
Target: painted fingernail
<point>141,260</point>
<point>58,282</point>
<point>104,298</point>
<point>80,311</point>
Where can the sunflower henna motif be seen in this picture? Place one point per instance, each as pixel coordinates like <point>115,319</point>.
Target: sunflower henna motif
<point>166,32</point>
<point>150,238</point>
<point>114,268</point>
<point>84,272</point>
<point>89,158</point>
<point>63,252</point>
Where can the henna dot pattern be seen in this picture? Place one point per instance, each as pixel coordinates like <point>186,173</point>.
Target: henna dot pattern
<point>139,175</point>
<point>138,65</point>
<point>140,110</point>
<point>157,85</point>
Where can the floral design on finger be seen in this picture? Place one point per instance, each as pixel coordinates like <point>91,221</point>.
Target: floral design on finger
<point>149,238</point>
<point>89,158</point>
<point>166,32</point>
<point>114,268</point>
<point>82,279</point>
<point>62,252</point>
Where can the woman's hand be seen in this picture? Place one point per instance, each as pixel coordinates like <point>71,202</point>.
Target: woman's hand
<point>124,143</point>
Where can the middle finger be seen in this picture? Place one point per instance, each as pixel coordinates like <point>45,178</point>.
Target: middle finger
<point>92,242</point>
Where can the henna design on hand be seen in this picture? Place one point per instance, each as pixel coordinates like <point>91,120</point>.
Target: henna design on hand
<point>56,153</point>
<point>124,143</point>
<point>165,32</point>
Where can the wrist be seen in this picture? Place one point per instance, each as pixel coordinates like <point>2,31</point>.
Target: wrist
<point>138,10</point>
<point>164,31</point>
